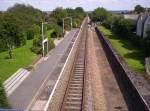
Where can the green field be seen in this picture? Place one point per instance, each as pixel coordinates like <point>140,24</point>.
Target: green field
<point>132,55</point>
<point>22,57</point>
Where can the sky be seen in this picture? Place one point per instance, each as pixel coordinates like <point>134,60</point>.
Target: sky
<point>88,5</point>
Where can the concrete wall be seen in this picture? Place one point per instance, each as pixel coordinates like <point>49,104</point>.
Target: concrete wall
<point>133,99</point>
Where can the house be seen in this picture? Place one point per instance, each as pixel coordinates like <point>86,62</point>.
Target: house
<point>146,26</point>
<point>131,16</point>
<point>140,24</point>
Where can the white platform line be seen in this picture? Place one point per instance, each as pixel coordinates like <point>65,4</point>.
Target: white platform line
<point>15,81</point>
<point>15,78</point>
<point>12,76</point>
<point>17,84</point>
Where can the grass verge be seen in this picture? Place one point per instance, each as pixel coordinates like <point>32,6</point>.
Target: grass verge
<point>132,55</point>
<point>22,57</point>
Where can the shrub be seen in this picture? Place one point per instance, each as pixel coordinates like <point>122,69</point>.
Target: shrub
<point>37,46</point>
<point>30,34</point>
<point>147,43</point>
<point>3,99</point>
<point>123,27</point>
<point>54,34</point>
<point>51,44</point>
<point>76,23</point>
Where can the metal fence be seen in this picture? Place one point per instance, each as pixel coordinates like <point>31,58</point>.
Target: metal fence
<point>147,65</point>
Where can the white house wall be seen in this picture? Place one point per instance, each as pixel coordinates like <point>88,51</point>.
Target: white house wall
<point>140,25</point>
<point>146,26</point>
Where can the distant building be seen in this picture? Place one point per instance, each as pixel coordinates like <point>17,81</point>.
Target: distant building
<point>146,26</point>
<point>131,16</point>
<point>141,23</point>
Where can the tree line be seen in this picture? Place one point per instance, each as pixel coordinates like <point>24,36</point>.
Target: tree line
<point>125,28</point>
<point>17,25</point>
<point>55,23</point>
<point>23,22</point>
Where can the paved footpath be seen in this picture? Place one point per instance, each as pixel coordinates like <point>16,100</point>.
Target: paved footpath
<point>24,94</point>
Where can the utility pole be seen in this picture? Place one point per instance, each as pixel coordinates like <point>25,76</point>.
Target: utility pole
<point>44,40</point>
<point>64,24</point>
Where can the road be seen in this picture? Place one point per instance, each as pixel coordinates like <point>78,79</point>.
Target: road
<point>24,94</point>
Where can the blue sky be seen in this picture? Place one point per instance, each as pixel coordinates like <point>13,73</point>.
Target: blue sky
<point>48,5</point>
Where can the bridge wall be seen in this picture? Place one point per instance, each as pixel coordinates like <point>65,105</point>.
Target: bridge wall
<point>134,100</point>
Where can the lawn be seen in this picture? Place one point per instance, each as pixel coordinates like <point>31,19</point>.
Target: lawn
<point>22,57</point>
<point>132,55</point>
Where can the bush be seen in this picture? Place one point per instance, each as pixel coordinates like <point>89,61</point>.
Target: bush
<point>54,34</point>
<point>123,27</point>
<point>37,46</point>
<point>108,22</point>
<point>147,43</point>
<point>30,34</point>
<point>57,30</point>
<point>99,14</point>
<point>76,23</point>
<point>3,99</point>
<point>51,44</point>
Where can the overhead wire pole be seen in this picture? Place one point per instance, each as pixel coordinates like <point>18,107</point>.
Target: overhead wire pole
<point>44,40</point>
<point>64,24</point>
<point>71,23</point>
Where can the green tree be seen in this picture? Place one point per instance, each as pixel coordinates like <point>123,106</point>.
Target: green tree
<point>79,13</point>
<point>37,45</point>
<point>32,31</point>
<point>147,43</point>
<point>30,34</point>
<point>99,14</point>
<point>57,30</point>
<point>108,22</point>
<point>26,15</point>
<point>70,12</point>
<point>123,27</point>
<point>59,13</point>
<point>36,29</point>
<point>76,22</point>
<point>138,9</point>
<point>10,34</point>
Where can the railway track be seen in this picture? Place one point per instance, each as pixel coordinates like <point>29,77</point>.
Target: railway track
<point>73,99</point>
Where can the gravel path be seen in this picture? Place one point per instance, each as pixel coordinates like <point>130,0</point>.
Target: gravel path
<point>105,90</point>
<point>99,101</point>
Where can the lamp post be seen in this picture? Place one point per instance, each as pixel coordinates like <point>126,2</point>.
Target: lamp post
<point>70,23</point>
<point>44,40</point>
